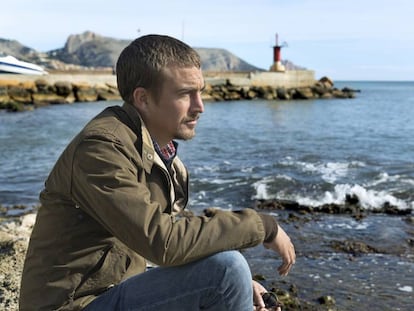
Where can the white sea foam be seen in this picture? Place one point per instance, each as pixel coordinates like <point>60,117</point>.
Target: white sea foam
<point>261,190</point>
<point>219,181</point>
<point>262,186</point>
<point>206,168</point>
<point>406,288</point>
<point>369,199</point>
<point>384,178</point>
<point>248,169</point>
<point>347,225</point>
<point>330,171</point>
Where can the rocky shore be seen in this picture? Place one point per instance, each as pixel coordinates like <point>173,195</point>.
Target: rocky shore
<point>14,238</point>
<point>20,95</point>
<point>296,293</point>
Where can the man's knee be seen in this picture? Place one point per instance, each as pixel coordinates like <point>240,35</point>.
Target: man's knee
<point>233,264</point>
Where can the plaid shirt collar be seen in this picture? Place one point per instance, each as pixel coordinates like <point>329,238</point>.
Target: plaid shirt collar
<point>168,152</point>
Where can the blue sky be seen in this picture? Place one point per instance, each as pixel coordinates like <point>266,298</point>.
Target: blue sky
<point>345,40</point>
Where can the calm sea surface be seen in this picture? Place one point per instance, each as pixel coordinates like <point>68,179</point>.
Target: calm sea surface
<point>314,152</point>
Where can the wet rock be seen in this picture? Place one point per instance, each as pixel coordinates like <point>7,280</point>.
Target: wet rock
<point>349,90</point>
<point>259,277</point>
<point>9,105</point>
<point>326,300</point>
<point>291,302</point>
<point>350,206</point>
<point>410,219</point>
<point>355,248</point>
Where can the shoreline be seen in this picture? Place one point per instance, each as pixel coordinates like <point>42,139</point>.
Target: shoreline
<point>295,291</point>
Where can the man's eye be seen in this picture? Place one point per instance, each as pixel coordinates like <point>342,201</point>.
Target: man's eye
<point>183,95</point>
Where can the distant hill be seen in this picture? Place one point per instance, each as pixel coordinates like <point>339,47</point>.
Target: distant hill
<point>222,60</point>
<point>90,50</point>
<point>16,49</point>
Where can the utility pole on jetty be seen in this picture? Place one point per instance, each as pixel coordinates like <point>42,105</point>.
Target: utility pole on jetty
<point>277,64</point>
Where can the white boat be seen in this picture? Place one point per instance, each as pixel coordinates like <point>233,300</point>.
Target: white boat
<point>10,64</point>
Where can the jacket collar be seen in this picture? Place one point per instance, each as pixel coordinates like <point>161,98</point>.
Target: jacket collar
<point>147,153</point>
<point>149,157</point>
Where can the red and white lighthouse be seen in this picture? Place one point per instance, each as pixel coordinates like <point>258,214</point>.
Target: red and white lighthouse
<point>277,63</point>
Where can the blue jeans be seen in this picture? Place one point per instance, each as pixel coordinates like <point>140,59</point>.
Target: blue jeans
<point>220,282</point>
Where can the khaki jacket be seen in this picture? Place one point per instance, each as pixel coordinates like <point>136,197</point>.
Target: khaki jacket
<point>108,206</point>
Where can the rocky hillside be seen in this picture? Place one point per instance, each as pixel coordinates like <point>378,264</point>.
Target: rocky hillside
<point>16,49</point>
<point>90,50</point>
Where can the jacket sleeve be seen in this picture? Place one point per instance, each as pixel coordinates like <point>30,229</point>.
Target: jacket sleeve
<point>105,184</point>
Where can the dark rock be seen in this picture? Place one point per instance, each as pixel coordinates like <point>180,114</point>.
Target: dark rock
<point>12,106</point>
<point>339,94</point>
<point>282,93</point>
<point>327,95</point>
<point>320,89</point>
<point>42,85</point>
<point>351,206</point>
<point>63,88</point>
<point>259,277</point>
<point>355,248</point>
<point>326,300</point>
<point>303,93</point>
<point>41,93</point>
<point>19,94</point>
<point>349,90</point>
<point>85,93</point>
<point>351,199</point>
<point>326,82</point>
<point>251,94</point>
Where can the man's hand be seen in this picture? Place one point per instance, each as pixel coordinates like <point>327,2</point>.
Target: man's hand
<point>258,291</point>
<point>284,247</point>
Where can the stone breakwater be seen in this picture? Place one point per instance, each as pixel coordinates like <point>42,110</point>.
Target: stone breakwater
<point>22,95</point>
<point>18,94</point>
<point>226,90</point>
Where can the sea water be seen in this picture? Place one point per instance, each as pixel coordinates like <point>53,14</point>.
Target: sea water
<point>312,151</point>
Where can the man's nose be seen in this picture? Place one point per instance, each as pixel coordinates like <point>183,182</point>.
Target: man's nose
<point>197,104</point>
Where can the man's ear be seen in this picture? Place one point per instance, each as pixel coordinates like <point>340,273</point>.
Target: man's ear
<point>141,99</point>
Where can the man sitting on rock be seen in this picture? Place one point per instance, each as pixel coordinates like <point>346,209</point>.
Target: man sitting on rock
<point>114,200</point>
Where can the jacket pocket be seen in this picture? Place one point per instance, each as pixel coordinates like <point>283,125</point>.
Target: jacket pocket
<point>106,273</point>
